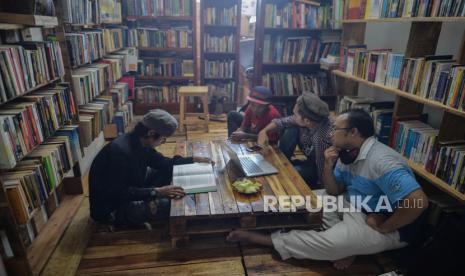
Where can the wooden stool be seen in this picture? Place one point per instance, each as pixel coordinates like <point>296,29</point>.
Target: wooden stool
<point>193,91</point>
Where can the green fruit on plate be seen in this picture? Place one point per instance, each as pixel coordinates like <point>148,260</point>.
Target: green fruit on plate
<point>246,186</point>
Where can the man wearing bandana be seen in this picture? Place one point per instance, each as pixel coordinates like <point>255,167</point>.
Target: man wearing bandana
<point>309,128</point>
<point>370,170</point>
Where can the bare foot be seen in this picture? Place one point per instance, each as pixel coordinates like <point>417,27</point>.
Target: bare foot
<point>237,236</point>
<point>344,263</point>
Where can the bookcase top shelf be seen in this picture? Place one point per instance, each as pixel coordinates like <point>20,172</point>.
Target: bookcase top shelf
<point>401,93</point>
<point>405,19</point>
<point>29,19</point>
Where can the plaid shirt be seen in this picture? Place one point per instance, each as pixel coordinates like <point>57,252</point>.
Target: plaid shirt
<point>313,142</point>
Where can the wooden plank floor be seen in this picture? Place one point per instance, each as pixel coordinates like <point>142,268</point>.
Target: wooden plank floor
<point>83,251</point>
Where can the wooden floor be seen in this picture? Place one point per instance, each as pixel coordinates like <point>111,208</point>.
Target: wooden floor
<point>85,251</point>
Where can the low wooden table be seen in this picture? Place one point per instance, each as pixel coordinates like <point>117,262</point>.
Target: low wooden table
<point>226,209</point>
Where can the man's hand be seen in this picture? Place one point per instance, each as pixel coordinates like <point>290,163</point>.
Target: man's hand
<point>262,138</point>
<point>375,221</point>
<point>331,156</point>
<point>238,135</point>
<point>170,191</point>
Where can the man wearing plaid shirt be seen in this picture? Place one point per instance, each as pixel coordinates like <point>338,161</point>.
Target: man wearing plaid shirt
<point>310,128</point>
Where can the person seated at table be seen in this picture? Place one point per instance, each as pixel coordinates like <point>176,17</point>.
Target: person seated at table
<point>129,181</point>
<point>309,128</point>
<point>258,113</point>
<point>357,165</point>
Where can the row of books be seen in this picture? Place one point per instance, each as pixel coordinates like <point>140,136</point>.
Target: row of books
<point>30,183</point>
<point>157,7</point>
<point>85,47</point>
<point>224,16</point>
<point>438,77</point>
<point>297,49</point>
<point>28,65</point>
<point>212,43</point>
<point>373,9</point>
<point>219,68</point>
<point>298,14</point>
<point>92,120</point>
<point>130,37</point>
<point>124,117</point>
<point>157,94</point>
<point>420,143</point>
<point>293,84</point>
<point>91,11</point>
<point>166,67</point>
<point>223,90</point>
<point>179,37</point>
<point>29,121</point>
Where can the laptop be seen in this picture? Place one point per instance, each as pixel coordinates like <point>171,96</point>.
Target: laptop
<point>252,165</point>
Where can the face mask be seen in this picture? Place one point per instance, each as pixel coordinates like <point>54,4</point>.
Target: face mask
<point>348,156</point>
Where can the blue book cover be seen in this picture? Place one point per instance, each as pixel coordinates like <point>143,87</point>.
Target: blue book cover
<point>442,83</point>
<point>119,121</point>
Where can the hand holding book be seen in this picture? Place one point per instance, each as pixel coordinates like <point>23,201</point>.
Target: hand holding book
<point>201,159</point>
<point>170,191</point>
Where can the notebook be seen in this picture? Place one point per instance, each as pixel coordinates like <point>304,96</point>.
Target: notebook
<point>194,178</point>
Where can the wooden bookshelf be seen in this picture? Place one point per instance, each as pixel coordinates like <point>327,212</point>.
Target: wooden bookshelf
<point>32,90</point>
<point>405,19</point>
<point>401,93</point>
<point>261,68</point>
<point>151,53</point>
<point>29,19</point>
<point>219,31</point>
<point>423,39</point>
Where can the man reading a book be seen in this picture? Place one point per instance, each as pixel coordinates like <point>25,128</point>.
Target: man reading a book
<point>259,112</point>
<point>360,169</point>
<point>309,128</point>
<point>129,181</point>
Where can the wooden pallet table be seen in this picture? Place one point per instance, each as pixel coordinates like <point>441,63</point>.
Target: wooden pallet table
<point>226,209</point>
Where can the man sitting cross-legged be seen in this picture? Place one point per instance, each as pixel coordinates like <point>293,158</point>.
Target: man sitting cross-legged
<point>372,171</point>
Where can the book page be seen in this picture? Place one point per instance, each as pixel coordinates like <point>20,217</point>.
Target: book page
<point>196,183</point>
<point>192,169</point>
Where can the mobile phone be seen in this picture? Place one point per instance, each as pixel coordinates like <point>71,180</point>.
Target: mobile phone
<point>254,148</point>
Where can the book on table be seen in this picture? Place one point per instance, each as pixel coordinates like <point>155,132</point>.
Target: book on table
<point>194,178</point>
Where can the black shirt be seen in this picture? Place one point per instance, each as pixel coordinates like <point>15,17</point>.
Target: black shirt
<point>118,172</point>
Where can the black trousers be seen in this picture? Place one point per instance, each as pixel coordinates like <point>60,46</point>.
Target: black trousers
<point>136,213</point>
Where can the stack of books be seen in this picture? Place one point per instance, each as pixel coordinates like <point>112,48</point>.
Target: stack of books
<point>226,16</point>
<point>29,121</point>
<point>157,94</point>
<point>89,82</point>
<point>374,9</point>
<point>166,67</point>
<point>92,120</point>
<point>221,89</point>
<point>85,47</point>
<point>80,11</point>
<point>223,44</point>
<point>219,68</point>
<point>447,162</point>
<point>294,84</point>
<point>28,65</point>
<point>178,37</point>
<point>130,37</point>
<point>157,7</point>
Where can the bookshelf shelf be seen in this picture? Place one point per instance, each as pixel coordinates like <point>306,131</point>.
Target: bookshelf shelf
<point>42,247</point>
<point>219,79</point>
<point>29,19</point>
<point>32,90</point>
<point>405,19</point>
<point>298,30</point>
<point>177,50</point>
<point>400,93</point>
<point>160,18</point>
<point>225,28</point>
<point>220,54</point>
<point>274,64</point>
<point>141,78</point>
<point>437,182</point>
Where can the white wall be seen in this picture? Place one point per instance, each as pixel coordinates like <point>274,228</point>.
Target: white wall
<point>394,35</point>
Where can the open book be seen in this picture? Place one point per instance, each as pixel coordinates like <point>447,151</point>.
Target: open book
<point>194,178</point>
